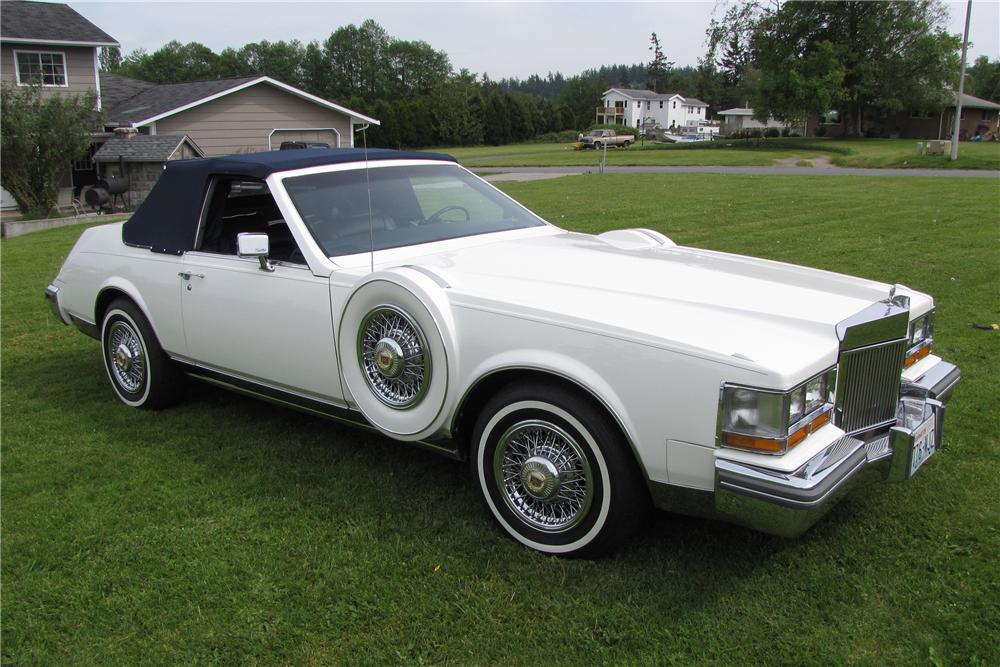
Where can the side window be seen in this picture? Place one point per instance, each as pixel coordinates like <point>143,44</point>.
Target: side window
<point>236,206</point>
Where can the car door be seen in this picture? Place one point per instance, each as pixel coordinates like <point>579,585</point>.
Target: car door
<point>272,327</point>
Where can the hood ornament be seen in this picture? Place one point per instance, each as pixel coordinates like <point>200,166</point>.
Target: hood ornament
<point>898,300</point>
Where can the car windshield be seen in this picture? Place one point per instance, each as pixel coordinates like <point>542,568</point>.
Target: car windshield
<point>409,205</point>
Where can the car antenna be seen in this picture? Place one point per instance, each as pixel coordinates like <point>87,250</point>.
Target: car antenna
<point>368,183</point>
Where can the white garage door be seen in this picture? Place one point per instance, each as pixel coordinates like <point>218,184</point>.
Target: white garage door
<point>328,137</point>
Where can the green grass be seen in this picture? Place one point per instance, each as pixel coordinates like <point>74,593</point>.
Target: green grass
<point>880,153</point>
<point>229,531</point>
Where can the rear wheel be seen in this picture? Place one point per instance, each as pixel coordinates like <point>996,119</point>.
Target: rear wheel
<point>555,473</point>
<point>140,372</point>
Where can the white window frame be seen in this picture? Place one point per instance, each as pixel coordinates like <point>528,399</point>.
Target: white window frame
<point>65,67</point>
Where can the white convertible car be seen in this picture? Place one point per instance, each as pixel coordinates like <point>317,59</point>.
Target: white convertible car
<point>584,377</point>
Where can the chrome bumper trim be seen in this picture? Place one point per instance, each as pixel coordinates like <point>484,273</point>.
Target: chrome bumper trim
<point>937,383</point>
<point>52,296</point>
<point>788,504</point>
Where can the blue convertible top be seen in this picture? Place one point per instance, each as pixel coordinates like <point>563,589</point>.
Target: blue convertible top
<point>167,221</point>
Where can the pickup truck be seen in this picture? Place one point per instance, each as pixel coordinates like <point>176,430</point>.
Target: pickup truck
<point>601,138</point>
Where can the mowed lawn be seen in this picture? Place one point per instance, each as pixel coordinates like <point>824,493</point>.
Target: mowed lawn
<point>878,153</point>
<point>228,531</point>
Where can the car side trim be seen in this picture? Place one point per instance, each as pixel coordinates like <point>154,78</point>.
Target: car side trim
<point>319,408</point>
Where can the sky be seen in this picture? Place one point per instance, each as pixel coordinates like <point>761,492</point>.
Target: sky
<point>502,39</point>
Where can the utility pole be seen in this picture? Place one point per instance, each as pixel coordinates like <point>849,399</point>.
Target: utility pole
<point>961,85</point>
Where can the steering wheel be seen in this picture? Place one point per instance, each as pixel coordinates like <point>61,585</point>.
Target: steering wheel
<point>436,215</point>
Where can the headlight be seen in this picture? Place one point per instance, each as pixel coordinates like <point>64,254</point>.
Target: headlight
<point>921,339</point>
<point>773,422</point>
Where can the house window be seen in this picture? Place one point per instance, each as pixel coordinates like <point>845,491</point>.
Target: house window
<point>675,105</point>
<point>986,114</point>
<point>661,104</point>
<point>46,68</point>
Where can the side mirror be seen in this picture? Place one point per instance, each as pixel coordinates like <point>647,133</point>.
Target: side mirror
<point>250,244</point>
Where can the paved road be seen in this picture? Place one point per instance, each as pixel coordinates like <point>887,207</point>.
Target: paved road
<point>534,173</point>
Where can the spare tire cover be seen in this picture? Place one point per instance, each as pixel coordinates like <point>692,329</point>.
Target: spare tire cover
<point>396,346</point>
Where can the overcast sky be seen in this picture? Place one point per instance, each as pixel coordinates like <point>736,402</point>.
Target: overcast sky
<point>502,39</point>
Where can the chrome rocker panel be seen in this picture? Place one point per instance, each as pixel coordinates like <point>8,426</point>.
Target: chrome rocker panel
<point>787,504</point>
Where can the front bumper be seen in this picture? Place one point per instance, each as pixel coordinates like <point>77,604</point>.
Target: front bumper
<point>788,504</point>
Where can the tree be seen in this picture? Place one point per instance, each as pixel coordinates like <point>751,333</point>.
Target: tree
<point>854,55</point>
<point>659,67</point>
<point>110,58</point>
<point>279,60</point>
<point>172,63</point>
<point>984,79</point>
<point>40,137</point>
<point>581,96</point>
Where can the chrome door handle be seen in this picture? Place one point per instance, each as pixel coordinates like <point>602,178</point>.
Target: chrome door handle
<point>187,275</point>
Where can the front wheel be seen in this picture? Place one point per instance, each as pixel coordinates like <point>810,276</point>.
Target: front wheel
<point>140,372</point>
<point>625,144</point>
<point>555,473</point>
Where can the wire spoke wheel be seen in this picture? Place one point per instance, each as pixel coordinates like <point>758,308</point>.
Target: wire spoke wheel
<point>394,357</point>
<point>543,475</point>
<point>127,356</point>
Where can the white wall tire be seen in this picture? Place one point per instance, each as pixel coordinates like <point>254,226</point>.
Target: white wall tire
<point>410,417</point>
<point>555,473</point>
<point>140,372</point>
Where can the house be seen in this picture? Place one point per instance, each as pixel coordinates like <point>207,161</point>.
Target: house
<point>737,119</point>
<point>636,108</point>
<point>52,45</point>
<point>230,115</point>
<point>978,116</point>
<point>154,123</point>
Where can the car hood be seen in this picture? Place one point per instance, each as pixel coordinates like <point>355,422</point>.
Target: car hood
<point>766,315</point>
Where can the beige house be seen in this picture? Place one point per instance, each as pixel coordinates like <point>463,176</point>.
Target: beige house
<point>51,45</point>
<point>233,115</point>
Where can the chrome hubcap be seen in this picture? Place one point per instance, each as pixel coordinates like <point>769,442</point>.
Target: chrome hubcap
<point>543,475</point>
<point>128,358</point>
<point>389,358</point>
<point>393,355</point>
<point>540,477</point>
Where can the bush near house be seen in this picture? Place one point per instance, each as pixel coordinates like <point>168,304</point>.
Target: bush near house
<point>40,136</point>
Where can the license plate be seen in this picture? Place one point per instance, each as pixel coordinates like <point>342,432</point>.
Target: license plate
<point>923,445</point>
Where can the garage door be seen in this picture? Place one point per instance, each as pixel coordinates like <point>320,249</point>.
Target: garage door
<point>311,135</point>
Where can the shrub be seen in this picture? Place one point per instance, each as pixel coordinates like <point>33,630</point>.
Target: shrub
<point>772,132</point>
<point>821,131</point>
<point>39,139</point>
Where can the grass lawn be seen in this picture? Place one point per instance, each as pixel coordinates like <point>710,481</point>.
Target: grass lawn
<point>227,530</point>
<point>897,153</point>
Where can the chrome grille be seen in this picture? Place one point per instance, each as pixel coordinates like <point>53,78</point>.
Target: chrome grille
<point>868,385</point>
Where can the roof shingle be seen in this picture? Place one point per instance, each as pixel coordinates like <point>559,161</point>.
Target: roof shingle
<point>141,148</point>
<point>147,100</point>
<point>48,22</point>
